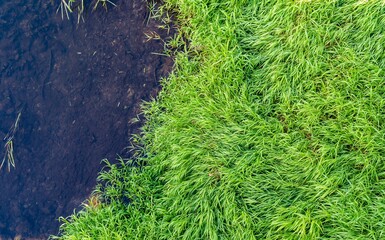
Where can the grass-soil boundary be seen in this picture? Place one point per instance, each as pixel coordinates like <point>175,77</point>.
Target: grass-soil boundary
<point>270,127</point>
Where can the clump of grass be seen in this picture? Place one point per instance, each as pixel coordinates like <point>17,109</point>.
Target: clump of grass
<point>8,146</point>
<point>103,3</point>
<point>66,7</point>
<point>8,155</point>
<point>271,127</point>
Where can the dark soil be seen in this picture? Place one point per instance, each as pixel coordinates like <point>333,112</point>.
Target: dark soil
<point>78,87</point>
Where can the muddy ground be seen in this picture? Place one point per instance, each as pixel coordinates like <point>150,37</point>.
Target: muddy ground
<point>77,87</point>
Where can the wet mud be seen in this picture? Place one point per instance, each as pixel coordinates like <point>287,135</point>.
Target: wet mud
<point>77,87</point>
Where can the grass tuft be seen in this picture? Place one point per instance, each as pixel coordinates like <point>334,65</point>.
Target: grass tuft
<point>67,7</point>
<point>8,158</point>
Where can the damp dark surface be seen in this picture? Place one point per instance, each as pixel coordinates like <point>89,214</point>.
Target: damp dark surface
<point>77,87</point>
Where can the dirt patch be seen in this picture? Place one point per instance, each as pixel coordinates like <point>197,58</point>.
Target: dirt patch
<point>78,87</point>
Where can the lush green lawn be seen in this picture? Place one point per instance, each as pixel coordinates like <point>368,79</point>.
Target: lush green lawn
<point>272,127</point>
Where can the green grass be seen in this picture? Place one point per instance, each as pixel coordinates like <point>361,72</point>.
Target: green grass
<point>8,157</point>
<point>271,127</point>
<point>67,7</point>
